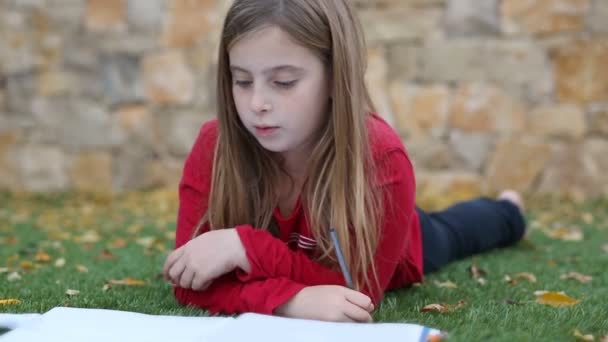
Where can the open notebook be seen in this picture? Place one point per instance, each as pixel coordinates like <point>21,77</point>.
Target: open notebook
<point>97,325</point>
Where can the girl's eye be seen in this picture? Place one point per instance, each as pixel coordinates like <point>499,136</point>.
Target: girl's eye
<point>243,84</point>
<point>288,84</point>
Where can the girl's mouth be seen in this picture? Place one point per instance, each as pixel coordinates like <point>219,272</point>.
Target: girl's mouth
<point>265,131</point>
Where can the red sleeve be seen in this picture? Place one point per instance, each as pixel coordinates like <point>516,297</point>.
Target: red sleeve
<point>269,257</point>
<point>227,294</point>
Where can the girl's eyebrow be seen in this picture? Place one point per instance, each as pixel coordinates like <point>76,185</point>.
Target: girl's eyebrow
<point>278,68</point>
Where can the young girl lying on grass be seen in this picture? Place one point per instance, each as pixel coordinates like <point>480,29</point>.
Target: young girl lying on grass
<point>297,149</point>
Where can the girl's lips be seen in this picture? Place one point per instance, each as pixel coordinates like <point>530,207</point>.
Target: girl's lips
<point>266,130</point>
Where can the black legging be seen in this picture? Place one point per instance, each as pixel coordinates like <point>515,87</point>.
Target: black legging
<point>468,228</point>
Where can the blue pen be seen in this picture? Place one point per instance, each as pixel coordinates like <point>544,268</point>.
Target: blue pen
<point>341,261</point>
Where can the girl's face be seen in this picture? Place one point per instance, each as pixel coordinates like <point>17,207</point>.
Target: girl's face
<point>280,89</point>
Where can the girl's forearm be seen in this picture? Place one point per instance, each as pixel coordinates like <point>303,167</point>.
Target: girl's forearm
<point>240,255</point>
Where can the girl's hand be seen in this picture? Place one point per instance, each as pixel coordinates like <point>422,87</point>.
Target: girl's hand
<point>204,258</point>
<point>328,303</point>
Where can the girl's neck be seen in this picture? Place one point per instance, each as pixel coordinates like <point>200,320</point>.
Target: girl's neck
<point>296,163</point>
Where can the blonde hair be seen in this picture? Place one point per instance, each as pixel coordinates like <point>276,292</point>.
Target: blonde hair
<point>340,190</point>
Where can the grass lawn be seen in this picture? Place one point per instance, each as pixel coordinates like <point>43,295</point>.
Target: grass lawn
<point>52,243</point>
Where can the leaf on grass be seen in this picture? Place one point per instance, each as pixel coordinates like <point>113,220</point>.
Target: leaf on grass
<point>443,308</point>
<point>82,268</point>
<point>555,299</point>
<point>118,243</point>
<point>605,248</point>
<point>127,282</point>
<point>14,276</point>
<point>434,307</point>
<point>26,265</point>
<point>4,270</point>
<point>565,234</point>
<point>446,284</point>
<point>42,256</point>
<point>481,281</point>
<point>575,275</point>
<point>71,292</point>
<point>106,287</point>
<point>89,237</point>
<point>580,337</point>
<point>147,241</point>
<point>106,255</point>
<point>587,218</point>
<point>10,301</point>
<point>525,275</point>
<point>60,262</point>
<point>476,272</point>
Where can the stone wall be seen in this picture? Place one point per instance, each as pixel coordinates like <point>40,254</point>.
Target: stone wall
<point>109,94</point>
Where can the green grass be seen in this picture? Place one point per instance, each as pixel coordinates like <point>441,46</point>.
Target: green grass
<point>57,224</point>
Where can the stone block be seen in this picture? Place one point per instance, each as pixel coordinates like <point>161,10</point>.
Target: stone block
<point>543,16</point>
<point>482,108</point>
<point>581,71</point>
<point>558,121</point>
<point>167,79</point>
<point>106,16</point>
<point>472,18</point>
<point>92,172</point>
<point>516,163</point>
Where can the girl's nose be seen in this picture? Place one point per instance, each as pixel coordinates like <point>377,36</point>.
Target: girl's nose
<point>259,102</point>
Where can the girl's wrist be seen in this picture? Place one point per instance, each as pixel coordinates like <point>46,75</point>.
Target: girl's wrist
<point>239,254</point>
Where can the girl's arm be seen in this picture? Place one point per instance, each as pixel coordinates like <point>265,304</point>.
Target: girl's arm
<point>269,257</point>
<point>229,295</point>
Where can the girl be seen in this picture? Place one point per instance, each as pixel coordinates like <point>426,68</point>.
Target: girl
<point>297,150</point>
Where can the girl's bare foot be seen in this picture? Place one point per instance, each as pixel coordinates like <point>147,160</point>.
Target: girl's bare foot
<point>513,197</point>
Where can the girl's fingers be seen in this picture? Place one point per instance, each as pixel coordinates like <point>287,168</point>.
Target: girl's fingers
<point>185,281</point>
<point>199,283</point>
<point>357,314</point>
<point>171,259</point>
<point>176,271</point>
<point>359,299</point>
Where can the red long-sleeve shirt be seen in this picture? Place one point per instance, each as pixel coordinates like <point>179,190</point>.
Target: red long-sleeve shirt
<point>280,268</point>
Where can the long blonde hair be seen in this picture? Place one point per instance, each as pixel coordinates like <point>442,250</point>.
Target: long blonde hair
<point>340,190</point>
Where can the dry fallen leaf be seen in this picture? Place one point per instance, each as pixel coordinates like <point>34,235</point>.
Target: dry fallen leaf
<point>10,302</point>
<point>434,307</point>
<point>580,337</point>
<point>526,275</point>
<point>575,275</point>
<point>565,234</point>
<point>604,338</point>
<point>446,284</point>
<point>476,272</point>
<point>605,248</point>
<point>481,281</point>
<point>555,299</point>
<point>82,268</point>
<point>106,287</point>
<point>60,262</point>
<point>118,243</point>
<point>587,218</point>
<point>71,292</point>
<point>443,308</point>
<point>14,276</point>
<point>26,265</point>
<point>88,237</point>
<point>42,256</point>
<point>106,255</point>
<point>127,282</point>
<point>4,270</point>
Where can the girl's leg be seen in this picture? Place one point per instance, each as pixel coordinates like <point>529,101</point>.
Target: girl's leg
<point>469,228</point>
